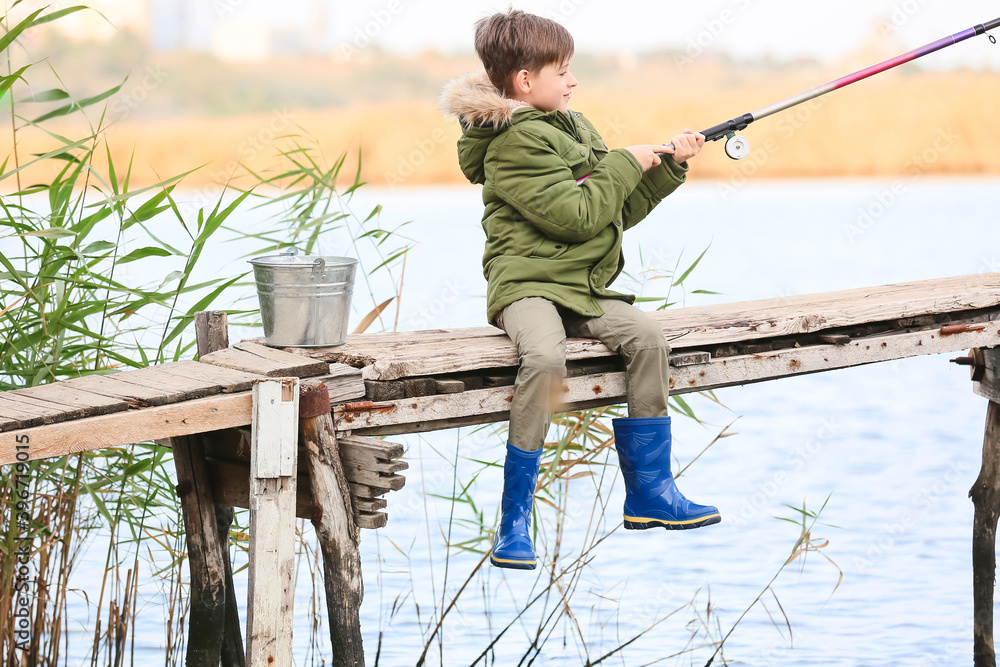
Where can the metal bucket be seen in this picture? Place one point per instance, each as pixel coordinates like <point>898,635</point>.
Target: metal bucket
<point>305,300</point>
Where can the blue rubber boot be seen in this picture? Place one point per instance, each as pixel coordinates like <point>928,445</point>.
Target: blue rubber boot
<point>512,545</point>
<point>651,497</point>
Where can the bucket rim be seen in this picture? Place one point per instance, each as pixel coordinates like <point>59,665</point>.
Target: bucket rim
<point>288,261</point>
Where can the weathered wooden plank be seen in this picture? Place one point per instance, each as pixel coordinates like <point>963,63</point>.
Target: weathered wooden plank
<point>356,445</point>
<point>345,384</point>
<point>359,475</point>
<point>381,390</point>
<point>182,386</point>
<point>25,415</point>
<point>227,380</point>
<point>271,594</point>
<point>693,358</point>
<point>136,395</point>
<point>274,428</point>
<point>364,491</point>
<point>448,386</point>
<point>263,360</point>
<point>419,387</point>
<point>124,428</point>
<point>73,398</point>
<point>370,505</point>
<point>394,356</point>
<point>372,521</point>
<point>374,465</point>
<point>487,405</point>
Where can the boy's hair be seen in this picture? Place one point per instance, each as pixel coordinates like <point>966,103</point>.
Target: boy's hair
<point>508,43</point>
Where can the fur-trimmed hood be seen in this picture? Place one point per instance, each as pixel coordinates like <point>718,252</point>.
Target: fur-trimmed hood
<point>484,114</point>
<point>474,100</point>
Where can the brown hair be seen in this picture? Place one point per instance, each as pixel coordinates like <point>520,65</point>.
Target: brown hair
<point>508,43</point>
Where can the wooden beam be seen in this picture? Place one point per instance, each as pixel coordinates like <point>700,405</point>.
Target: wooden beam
<point>985,494</point>
<point>202,415</point>
<point>271,595</point>
<point>392,356</point>
<point>480,406</point>
<point>124,428</point>
<point>339,535</point>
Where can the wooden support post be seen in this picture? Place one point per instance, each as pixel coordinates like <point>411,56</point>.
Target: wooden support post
<point>273,449</point>
<point>233,653</point>
<point>212,331</point>
<point>985,494</point>
<point>213,630</point>
<point>339,535</point>
<point>208,588</point>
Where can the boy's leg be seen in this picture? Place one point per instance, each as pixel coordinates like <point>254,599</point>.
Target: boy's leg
<point>536,328</point>
<point>643,439</point>
<point>628,331</point>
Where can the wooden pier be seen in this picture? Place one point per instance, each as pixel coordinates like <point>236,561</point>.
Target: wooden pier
<point>295,432</point>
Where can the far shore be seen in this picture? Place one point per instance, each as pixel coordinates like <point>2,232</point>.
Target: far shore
<point>902,125</point>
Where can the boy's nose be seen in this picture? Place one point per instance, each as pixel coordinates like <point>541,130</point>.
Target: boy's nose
<point>572,81</point>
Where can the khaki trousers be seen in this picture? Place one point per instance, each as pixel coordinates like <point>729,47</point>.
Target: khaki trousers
<point>539,329</point>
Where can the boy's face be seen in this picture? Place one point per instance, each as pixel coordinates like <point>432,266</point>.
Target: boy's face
<point>549,88</point>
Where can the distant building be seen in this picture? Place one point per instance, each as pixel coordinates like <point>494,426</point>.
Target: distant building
<point>242,30</point>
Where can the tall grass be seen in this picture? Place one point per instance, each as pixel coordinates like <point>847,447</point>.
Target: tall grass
<point>69,306</point>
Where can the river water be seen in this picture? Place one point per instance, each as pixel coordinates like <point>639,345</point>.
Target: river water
<point>891,448</point>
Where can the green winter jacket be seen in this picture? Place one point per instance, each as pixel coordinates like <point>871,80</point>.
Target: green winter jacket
<point>557,200</point>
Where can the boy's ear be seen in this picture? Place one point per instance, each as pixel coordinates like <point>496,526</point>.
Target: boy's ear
<point>521,82</point>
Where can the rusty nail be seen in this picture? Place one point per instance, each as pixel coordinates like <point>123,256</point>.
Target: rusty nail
<point>366,406</point>
<point>949,329</point>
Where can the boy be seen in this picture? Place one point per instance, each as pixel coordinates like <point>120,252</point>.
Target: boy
<point>557,204</point>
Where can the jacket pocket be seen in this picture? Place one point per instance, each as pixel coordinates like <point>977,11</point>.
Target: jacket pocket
<point>577,158</point>
<point>548,249</point>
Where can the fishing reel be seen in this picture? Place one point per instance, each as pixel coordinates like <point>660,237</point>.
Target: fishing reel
<point>737,146</point>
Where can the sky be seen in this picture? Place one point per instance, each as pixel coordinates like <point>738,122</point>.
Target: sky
<point>784,29</point>
<point>745,28</point>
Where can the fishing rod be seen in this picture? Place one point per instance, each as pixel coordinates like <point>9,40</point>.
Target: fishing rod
<point>737,147</point>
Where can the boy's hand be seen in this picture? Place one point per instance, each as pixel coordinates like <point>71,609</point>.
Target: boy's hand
<point>646,154</point>
<point>684,146</point>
